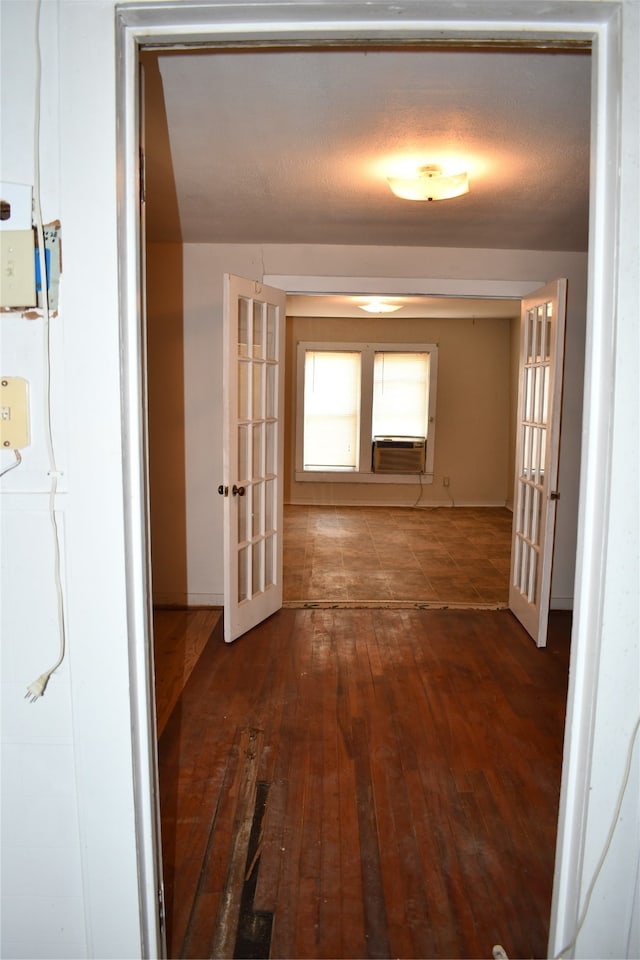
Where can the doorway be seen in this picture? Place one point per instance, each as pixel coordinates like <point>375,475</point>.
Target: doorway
<point>478,340</point>
<point>602,186</point>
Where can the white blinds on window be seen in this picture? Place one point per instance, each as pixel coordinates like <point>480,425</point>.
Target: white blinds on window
<point>400,394</point>
<point>331,409</point>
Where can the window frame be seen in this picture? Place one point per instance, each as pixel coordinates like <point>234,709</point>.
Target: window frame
<point>364,472</point>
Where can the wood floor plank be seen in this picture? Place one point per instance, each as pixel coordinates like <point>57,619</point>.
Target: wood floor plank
<point>412,759</point>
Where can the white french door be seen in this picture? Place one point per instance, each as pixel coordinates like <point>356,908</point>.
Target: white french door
<point>542,326</point>
<point>253,362</point>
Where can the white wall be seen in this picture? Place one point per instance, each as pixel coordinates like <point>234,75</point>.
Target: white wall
<point>69,869</point>
<point>204,267</point>
<point>69,866</point>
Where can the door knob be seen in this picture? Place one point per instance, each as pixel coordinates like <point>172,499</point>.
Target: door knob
<point>223,491</point>
<point>237,491</point>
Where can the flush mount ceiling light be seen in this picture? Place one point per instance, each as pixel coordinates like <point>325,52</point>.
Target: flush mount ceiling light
<point>430,183</point>
<point>379,306</point>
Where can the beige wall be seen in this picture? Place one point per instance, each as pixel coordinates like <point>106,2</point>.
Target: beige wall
<point>166,420</point>
<point>514,363</point>
<point>473,409</point>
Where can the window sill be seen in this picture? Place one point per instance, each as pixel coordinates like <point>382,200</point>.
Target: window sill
<point>338,476</point>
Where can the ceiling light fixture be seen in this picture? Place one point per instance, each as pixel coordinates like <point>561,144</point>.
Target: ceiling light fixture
<point>430,183</point>
<point>379,306</point>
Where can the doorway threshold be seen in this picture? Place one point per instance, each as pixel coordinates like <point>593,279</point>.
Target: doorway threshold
<point>390,605</point>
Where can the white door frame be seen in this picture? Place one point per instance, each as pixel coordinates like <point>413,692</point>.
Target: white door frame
<point>141,24</point>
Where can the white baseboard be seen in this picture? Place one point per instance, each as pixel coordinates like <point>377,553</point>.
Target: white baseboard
<point>561,603</point>
<point>391,503</point>
<point>188,599</point>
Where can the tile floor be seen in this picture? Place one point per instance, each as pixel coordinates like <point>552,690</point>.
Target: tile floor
<point>396,555</point>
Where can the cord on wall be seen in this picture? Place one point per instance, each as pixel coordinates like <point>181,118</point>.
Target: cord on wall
<point>607,844</point>
<point>12,466</point>
<point>36,689</point>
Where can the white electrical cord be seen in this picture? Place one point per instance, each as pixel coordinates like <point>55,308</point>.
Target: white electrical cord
<point>607,844</point>
<point>13,465</point>
<point>36,689</point>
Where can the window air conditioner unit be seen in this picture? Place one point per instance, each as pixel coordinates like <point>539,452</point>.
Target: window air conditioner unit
<point>398,454</point>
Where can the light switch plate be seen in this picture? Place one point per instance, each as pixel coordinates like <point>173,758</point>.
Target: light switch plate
<point>17,269</point>
<point>14,413</point>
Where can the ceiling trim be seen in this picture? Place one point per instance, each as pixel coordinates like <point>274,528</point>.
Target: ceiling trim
<point>404,286</point>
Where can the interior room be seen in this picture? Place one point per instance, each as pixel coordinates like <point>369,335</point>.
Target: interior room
<point>284,177</point>
<point>215,203</point>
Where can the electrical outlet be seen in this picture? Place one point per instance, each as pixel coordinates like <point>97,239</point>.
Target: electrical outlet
<point>445,481</point>
<point>14,413</point>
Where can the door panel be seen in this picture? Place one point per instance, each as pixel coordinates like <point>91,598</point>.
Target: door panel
<point>254,327</point>
<point>537,444</point>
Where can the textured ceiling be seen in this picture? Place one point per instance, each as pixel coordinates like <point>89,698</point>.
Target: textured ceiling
<point>294,146</point>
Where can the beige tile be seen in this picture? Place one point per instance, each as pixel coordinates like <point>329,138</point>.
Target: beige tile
<point>327,585</point>
<point>369,553</point>
<point>394,558</point>
<point>438,566</point>
<point>369,586</point>
<point>454,590</point>
<point>410,585</point>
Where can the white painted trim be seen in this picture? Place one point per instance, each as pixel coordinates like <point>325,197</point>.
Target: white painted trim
<point>561,603</point>
<point>188,599</point>
<point>595,478</point>
<point>136,515</point>
<point>405,286</point>
<point>314,502</point>
<point>167,23</point>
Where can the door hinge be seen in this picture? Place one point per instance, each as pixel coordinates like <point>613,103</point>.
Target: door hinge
<point>554,495</point>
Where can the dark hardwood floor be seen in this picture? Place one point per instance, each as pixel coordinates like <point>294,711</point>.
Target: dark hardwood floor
<point>365,783</point>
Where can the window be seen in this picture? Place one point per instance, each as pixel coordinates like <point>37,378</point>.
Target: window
<point>400,394</point>
<point>349,394</point>
<point>331,410</point>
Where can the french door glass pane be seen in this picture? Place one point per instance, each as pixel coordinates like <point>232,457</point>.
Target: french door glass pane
<point>243,327</point>
<point>269,505</point>
<point>242,519</point>
<point>243,573</point>
<point>243,464</point>
<point>258,329</point>
<point>256,513</point>
<point>257,403</point>
<point>271,332</point>
<point>258,466</point>
<point>257,568</point>
<point>271,448</point>
<point>243,390</point>
<point>269,562</point>
<point>270,405</point>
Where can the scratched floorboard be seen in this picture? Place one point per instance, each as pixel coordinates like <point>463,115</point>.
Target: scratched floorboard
<point>412,760</point>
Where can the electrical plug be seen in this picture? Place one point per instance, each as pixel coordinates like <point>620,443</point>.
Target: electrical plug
<point>36,689</point>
